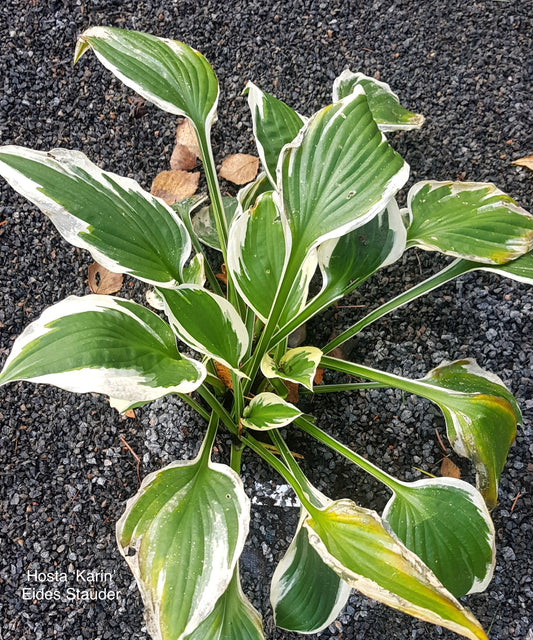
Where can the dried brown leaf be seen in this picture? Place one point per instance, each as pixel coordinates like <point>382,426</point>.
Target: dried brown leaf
<point>526,161</point>
<point>240,168</point>
<point>130,413</point>
<point>449,469</point>
<point>293,394</point>
<point>186,135</point>
<point>319,376</point>
<point>223,275</point>
<point>224,374</point>
<point>173,186</point>
<point>103,281</point>
<point>182,158</point>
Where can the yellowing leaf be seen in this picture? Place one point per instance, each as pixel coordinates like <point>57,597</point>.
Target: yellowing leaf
<point>101,280</point>
<point>240,168</point>
<point>173,186</point>
<point>526,161</point>
<point>182,159</point>
<point>186,135</point>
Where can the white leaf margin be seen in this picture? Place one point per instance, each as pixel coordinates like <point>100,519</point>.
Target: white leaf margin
<point>267,399</point>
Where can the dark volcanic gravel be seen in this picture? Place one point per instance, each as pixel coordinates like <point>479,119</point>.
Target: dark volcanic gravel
<point>65,469</point>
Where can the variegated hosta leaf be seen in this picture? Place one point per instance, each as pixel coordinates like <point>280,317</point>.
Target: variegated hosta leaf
<point>447,524</point>
<point>194,272</point>
<point>256,259</point>
<point>356,545</point>
<point>125,229</point>
<point>337,174</point>
<point>204,224</point>
<point>470,220</point>
<point>268,411</point>
<point>306,595</point>
<point>208,323</point>
<point>297,365</point>
<point>520,269</point>
<point>275,125</point>
<point>168,73</point>
<point>250,192</point>
<point>384,103</point>
<point>187,526</point>
<point>348,261</point>
<point>233,618</point>
<point>481,418</point>
<point>103,344</point>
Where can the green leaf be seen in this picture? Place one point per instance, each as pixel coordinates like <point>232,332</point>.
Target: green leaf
<point>275,124</point>
<point>384,103</point>
<point>204,222</point>
<point>470,220</point>
<point>337,174</point>
<point>248,195</point>
<point>208,323</point>
<point>233,618</point>
<point>481,418</point>
<point>102,344</point>
<point>168,73</point>
<point>356,545</point>
<point>186,527</point>
<point>125,229</point>
<point>268,411</point>
<point>297,365</point>
<point>446,523</point>
<point>306,595</point>
<point>348,261</point>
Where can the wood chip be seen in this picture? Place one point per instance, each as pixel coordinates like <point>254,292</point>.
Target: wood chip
<point>173,186</point>
<point>103,281</point>
<point>240,168</point>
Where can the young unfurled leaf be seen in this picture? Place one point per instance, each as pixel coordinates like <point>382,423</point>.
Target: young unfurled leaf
<point>240,168</point>
<point>268,411</point>
<point>356,545</point>
<point>527,162</point>
<point>348,261</point>
<point>204,225</point>
<point>125,229</point>
<point>173,186</point>
<point>168,73</point>
<point>248,195</point>
<point>275,125</point>
<point>305,593</point>
<point>187,525</point>
<point>337,174</point>
<point>481,417</point>
<point>384,103</point>
<point>103,281</point>
<point>208,323</point>
<point>102,344</point>
<point>194,272</point>
<point>233,618</point>
<point>297,365</point>
<point>447,524</point>
<point>470,220</point>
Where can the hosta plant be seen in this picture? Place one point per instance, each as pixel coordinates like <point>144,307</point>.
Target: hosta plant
<point>323,208</point>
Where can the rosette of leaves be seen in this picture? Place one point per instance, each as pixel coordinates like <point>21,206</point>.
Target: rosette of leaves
<point>324,204</point>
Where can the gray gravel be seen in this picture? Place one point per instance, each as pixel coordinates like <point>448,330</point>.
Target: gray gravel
<point>65,469</point>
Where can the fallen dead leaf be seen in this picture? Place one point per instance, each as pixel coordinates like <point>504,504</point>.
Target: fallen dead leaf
<point>223,275</point>
<point>240,168</point>
<point>293,394</point>
<point>173,186</point>
<point>526,161</point>
<point>186,135</point>
<point>182,158</point>
<point>319,375</point>
<point>103,281</point>
<point>130,413</point>
<point>449,469</point>
<point>224,374</point>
